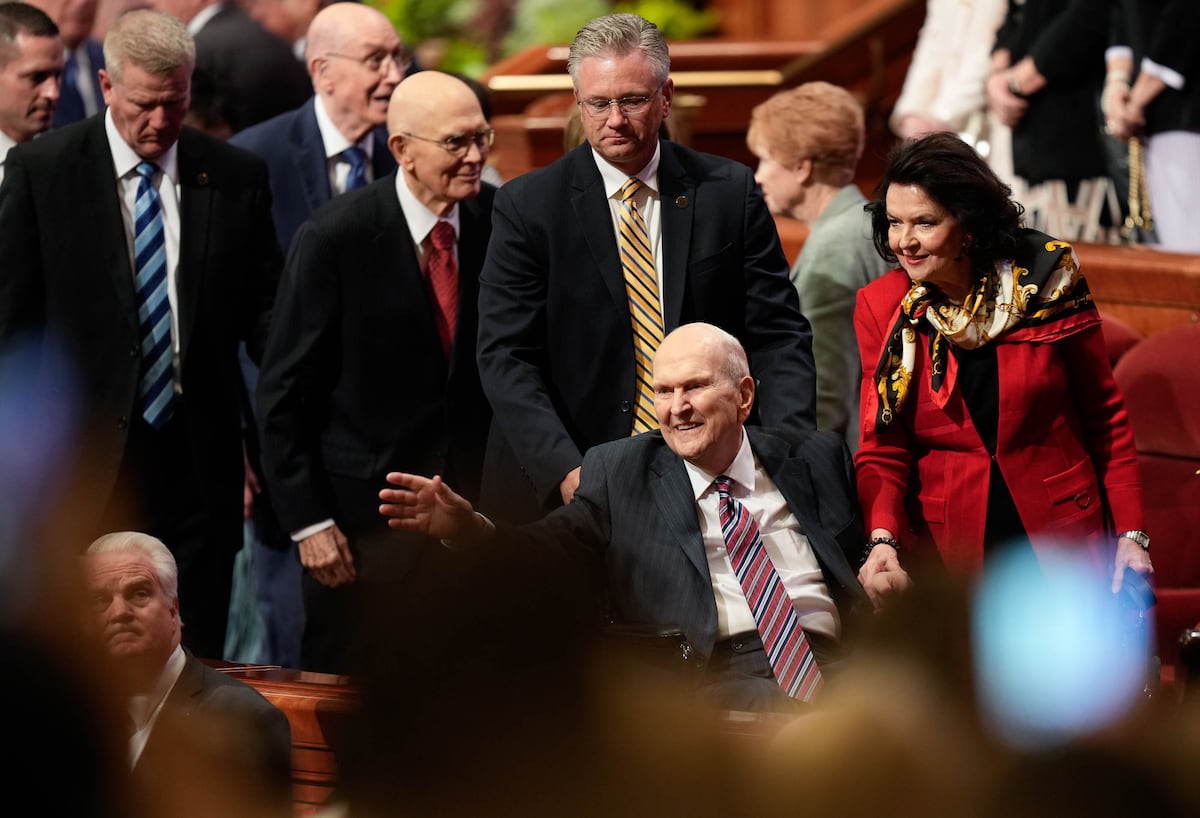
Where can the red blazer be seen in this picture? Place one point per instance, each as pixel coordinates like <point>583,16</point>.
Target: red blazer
<point>1064,445</point>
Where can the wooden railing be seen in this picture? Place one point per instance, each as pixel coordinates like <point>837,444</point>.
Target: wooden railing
<point>866,51</point>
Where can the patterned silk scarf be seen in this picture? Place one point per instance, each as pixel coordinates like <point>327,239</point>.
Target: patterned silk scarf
<point>1048,292</point>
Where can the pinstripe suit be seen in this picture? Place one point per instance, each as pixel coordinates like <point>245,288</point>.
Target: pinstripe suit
<point>635,513</point>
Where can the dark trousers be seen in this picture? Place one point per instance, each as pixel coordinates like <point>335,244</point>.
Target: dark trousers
<point>159,492</point>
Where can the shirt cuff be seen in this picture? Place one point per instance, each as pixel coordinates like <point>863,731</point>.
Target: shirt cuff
<point>309,530</point>
<point>1170,76</point>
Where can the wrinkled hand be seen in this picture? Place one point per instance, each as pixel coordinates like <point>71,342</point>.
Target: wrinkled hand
<point>1130,555</point>
<point>569,485</point>
<point>428,506</point>
<point>885,583</point>
<point>882,559</point>
<point>327,557</point>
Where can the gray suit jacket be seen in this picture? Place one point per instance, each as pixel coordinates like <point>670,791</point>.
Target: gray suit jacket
<point>635,514</point>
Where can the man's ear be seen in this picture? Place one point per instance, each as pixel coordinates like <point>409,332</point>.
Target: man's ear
<point>746,389</point>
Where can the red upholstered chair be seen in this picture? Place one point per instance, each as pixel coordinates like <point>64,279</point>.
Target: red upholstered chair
<point>1119,337</point>
<point>1160,378</point>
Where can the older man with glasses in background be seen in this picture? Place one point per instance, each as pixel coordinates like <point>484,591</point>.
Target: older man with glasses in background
<point>384,274</point>
<point>596,257</point>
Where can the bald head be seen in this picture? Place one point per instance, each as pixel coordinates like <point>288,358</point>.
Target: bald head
<point>355,59</point>
<point>440,138</point>
<point>703,393</point>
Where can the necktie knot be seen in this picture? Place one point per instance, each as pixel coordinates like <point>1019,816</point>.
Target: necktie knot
<point>442,236</point>
<point>146,170</point>
<point>724,486</point>
<point>630,190</point>
<point>357,158</point>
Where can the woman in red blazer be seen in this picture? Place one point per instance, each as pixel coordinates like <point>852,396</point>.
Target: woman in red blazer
<point>990,419</point>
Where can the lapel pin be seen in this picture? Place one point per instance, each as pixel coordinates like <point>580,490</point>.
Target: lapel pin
<point>202,179</point>
<point>681,202</point>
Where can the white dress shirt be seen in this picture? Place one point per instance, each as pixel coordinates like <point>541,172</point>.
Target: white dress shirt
<point>785,543</point>
<point>166,182</point>
<point>335,142</point>
<point>144,709</point>
<point>648,203</point>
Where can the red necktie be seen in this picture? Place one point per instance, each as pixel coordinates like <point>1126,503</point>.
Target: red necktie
<point>443,280</point>
<point>783,638</point>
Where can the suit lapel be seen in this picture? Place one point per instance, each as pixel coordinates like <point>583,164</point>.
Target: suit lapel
<point>592,212</point>
<point>382,162</point>
<point>103,228</point>
<point>310,157</point>
<point>677,203</point>
<point>672,493</point>
<point>794,479</point>
<point>195,202</point>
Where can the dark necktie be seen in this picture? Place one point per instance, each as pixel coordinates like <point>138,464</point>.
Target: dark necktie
<point>645,307</point>
<point>156,388</point>
<point>443,280</point>
<point>358,167</point>
<point>784,640</point>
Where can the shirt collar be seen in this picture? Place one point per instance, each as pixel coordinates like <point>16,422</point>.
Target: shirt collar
<point>740,471</point>
<point>200,20</point>
<point>125,159</point>
<point>142,707</point>
<point>614,178</point>
<point>334,140</point>
<point>419,217</point>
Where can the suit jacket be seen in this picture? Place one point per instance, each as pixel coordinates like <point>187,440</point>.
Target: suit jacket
<point>1063,443</point>
<point>252,73</point>
<point>70,107</point>
<point>635,513</point>
<point>75,291</point>
<point>354,382</point>
<point>555,348</point>
<point>838,259</point>
<point>263,742</point>
<point>292,146</point>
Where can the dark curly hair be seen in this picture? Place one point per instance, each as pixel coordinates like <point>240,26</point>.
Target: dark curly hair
<point>956,177</point>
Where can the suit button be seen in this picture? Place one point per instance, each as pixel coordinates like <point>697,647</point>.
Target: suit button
<point>736,645</point>
<point>122,422</point>
<point>625,406</point>
<point>133,352</point>
<point>1083,499</point>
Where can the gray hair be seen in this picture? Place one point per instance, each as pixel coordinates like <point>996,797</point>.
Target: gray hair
<point>618,35</point>
<point>152,548</point>
<point>734,363</point>
<point>154,41</point>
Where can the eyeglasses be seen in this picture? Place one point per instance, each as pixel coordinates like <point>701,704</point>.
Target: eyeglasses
<point>376,61</point>
<point>460,144</point>
<point>629,106</point>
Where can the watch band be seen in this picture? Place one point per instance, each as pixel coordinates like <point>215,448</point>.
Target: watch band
<point>1139,537</point>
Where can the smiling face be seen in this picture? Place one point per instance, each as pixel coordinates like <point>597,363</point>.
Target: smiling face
<point>29,85</point>
<point>148,110</point>
<point>131,614</point>
<point>356,60</point>
<point>701,405</point>
<point>625,141</point>
<point>927,240</point>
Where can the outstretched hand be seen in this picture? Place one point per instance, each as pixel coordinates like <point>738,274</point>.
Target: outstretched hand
<point>428,506</point>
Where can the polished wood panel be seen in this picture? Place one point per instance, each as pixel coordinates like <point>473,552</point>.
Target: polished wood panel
<point>1150,290</point>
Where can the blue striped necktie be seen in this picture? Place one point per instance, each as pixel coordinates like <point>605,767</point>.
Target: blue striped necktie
<point>357,158</point>
<point>645,307</point>
<point>156,389</point>
<point>784,640</point>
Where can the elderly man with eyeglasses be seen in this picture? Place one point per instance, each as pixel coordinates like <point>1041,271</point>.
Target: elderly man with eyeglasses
<point>370,363</point>
<point>597,256</point>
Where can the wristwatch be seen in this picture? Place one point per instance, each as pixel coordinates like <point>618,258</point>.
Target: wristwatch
<point>1139,537</point>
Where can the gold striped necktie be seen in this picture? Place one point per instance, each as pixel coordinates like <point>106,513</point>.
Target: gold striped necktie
<point>645,308</point>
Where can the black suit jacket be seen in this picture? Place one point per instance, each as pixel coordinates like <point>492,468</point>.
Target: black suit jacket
<point>635,513</point>
<point>292,146</point>
<point>203,697</point>
<point>252,74</point>
<point>555,344</point>
<point>354,382</point>
<point>67,283</point>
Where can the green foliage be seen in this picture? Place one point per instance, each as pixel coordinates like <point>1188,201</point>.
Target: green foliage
<point>465,49</point>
